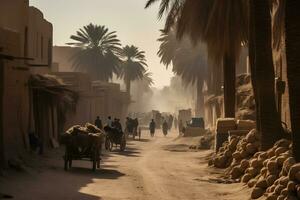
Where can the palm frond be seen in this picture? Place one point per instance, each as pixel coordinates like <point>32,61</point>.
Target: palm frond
<point>98,53</point>
<point>133,64</point>
<point>189,62</point>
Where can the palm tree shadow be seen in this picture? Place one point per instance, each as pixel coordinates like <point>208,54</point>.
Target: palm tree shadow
<point>98,174</point>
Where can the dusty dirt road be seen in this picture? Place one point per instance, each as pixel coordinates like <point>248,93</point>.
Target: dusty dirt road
<point>156,168</point>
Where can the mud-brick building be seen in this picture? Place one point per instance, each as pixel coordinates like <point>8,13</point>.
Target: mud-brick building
<point>25,45</point>
<point>109,100</point>
<point>95,99</point>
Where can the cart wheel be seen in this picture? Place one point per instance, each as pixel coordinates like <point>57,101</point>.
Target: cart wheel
<point>123,144</point>
<point>98,163</point>
<point>94,165</point>
<point>66,159</point>
<point>66,163</point>
<point>108,144</point>
<point>99,156</point>
<point>95,160</point>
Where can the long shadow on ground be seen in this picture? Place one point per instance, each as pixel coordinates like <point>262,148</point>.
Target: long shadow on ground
<point>101,173</point>
<point>176,148</point>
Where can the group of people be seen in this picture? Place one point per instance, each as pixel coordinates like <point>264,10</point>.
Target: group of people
<point>110,123</point>
<point>167,125</point>
<point>132,125</point>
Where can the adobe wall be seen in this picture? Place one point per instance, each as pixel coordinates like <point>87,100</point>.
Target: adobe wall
<point>63,55</point>
<point>18,25</point>
<point>16,97</point>
<point>14,17</point>
<point>80,83</point>
<point>39,38</point>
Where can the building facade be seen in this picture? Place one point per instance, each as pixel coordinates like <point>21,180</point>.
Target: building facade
<point>96,98</point>
<point>25,40</point>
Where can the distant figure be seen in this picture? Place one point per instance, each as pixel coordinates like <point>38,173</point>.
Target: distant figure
<point>170,122</point>
<point>129,125</point>
<point>135,124</point>
<point>109,122</point>
<point>98,122</point>
<point>165,128</point>
<point>152,127</point>
<point>175,123</point>
<point>180,126</point>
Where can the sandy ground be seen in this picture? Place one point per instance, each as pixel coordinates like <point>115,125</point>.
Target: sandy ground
<point>156,168</point>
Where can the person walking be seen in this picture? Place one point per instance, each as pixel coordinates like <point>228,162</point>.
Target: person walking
<point>152,127</point>
<point>165,128</point>
<point>98,123</point>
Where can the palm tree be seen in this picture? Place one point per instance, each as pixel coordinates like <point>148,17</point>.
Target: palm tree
<point>133,65</point>
<point>98,52</point>
<point>222,31</point>
<point>262,71</point>
<point>189,63</point>
<point>292,31</point>
<point>141,91</point>
<point>147,81</point>
<point>223,25</point>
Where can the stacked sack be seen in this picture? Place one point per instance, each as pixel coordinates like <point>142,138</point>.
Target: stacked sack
<point>246,149</point>
<point>224,157</point>
<point>272,173</point>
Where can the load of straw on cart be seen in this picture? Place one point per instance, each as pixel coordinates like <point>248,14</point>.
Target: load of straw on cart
<point>83,143</point>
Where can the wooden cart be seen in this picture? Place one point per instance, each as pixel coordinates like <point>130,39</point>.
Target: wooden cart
<point>82,148</point>
<point>114,137</point>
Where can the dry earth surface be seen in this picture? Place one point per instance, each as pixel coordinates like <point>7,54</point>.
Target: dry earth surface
<point>159,168</point>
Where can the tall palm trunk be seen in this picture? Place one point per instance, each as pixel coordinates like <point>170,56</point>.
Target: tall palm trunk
<point>292,23</point>
<point>229,85</point>
<point>264,79</point>
<point>199,100</point>
<point>251,46</point>
<point>128,86</point>
<point>2,153</point>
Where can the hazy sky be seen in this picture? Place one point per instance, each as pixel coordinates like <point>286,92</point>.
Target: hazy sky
<point>134,25</point>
